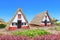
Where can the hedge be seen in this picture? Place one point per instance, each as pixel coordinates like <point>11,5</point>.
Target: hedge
<point>2,26</point>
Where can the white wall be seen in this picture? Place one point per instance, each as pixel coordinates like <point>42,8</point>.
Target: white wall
<point>44,19</point>
<point>16,18</point>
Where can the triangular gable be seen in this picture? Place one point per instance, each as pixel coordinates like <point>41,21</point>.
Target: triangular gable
<point>19,11</point>
<point>17,14</point>
<point>46,18</point>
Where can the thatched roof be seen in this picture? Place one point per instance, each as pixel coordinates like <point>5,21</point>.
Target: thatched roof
<point>37,20</point>
<point>19,9</point>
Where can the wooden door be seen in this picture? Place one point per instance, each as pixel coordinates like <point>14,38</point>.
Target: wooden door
<point>45,22</point>
<point>19,23</point>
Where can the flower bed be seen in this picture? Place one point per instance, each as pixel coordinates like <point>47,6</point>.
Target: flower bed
<point>48,37</point>
<point>31,35</point>
<point>43,37</point>
<point>11,37</point>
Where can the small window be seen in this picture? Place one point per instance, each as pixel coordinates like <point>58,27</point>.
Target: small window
<point>13,24</point>
<point>19,15</point>
<point>45,21</point>
<point>23,23</point>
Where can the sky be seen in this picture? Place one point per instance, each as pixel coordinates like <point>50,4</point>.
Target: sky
<point>30,8</point>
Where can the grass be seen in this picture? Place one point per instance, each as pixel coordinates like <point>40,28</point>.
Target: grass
<point>56,28</point>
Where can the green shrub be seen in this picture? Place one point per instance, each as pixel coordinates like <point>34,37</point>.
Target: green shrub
<point>2,25</point>
<point>31,33</point>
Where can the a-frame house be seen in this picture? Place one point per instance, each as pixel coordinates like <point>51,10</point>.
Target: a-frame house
<point>42,19</point>
<point>18,21</point>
